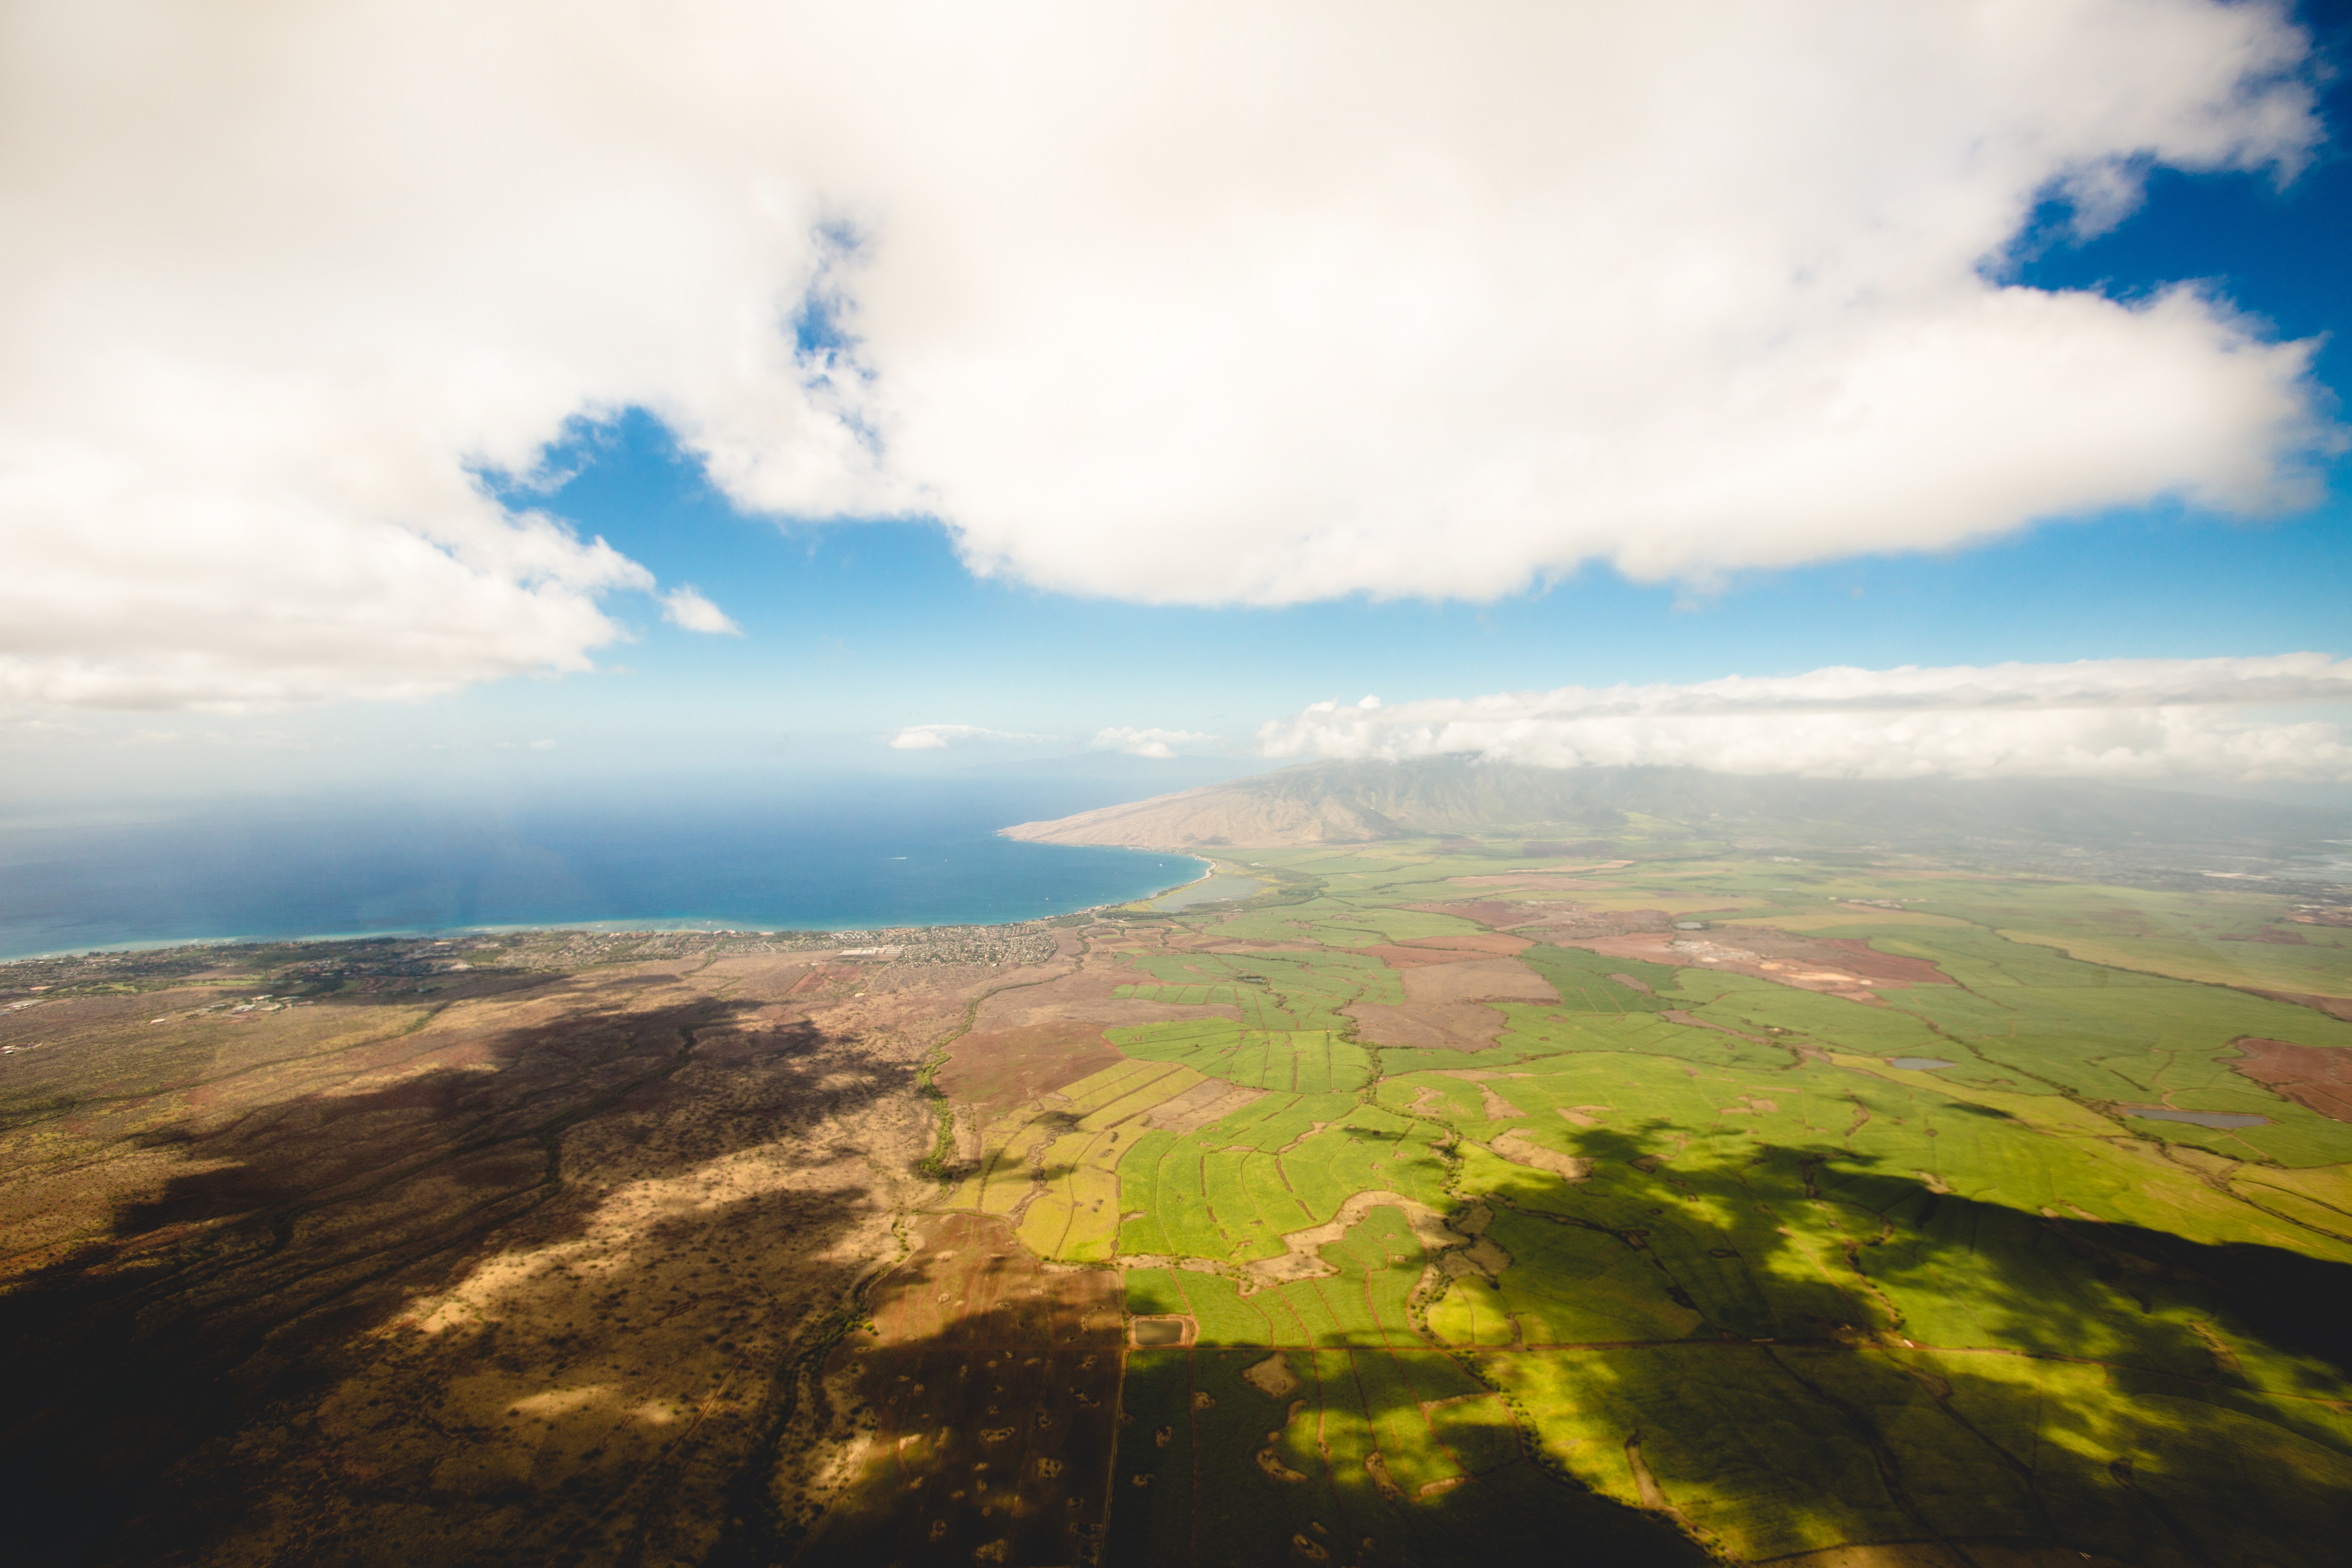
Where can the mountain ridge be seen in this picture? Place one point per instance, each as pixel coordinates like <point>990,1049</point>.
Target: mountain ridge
<point>1359,801</point>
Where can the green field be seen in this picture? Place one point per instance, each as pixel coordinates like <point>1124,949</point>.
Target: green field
<point>1685,1264</point>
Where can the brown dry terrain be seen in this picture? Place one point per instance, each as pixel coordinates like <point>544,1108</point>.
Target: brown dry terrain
<point>1849,953</point>
<point>1554,921</point>
<point>997,1069</point>
<point>1448,1026</point>
<point>2308,1075</point>
<point>1446,981</point>
<point>1476,980</point>
<point>1089,996</point>
<point>1485,911</point>
<point>508,1267</point>
<point>991,1385</point>
<point>1423,950</point>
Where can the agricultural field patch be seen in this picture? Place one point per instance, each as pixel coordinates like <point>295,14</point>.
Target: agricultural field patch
<point>1476,980</point>
<point>999,1069</point>
<point>1448,949</point>
<point>1429,1026</point>
<point>1310,1061</point>
<point>2311,1075</point>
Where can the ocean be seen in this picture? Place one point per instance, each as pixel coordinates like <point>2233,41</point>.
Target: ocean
<point>837,855</point>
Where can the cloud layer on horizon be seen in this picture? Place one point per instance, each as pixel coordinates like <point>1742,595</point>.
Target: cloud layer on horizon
<point>938,737</point>
<point>1160,745</point>
<point>1201,304</point>
<point>2113,719</point>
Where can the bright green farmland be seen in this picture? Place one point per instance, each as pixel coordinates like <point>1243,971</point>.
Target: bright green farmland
<point>1273,991</point>
<point>1306,1062</point>
<point>1729,1283</point>
<point>1232,1190</point>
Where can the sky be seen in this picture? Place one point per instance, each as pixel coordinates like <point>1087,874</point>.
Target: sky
<point>431,399</point>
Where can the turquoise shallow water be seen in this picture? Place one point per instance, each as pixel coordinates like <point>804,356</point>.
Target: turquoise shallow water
<point>848,855</point>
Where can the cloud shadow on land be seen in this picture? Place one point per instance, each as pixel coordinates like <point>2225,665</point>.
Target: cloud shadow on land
<point>543,1308</point>
<point>1872,1358</point>
<point>993,1411</point>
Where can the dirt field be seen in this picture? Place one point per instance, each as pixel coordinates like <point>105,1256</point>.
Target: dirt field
<point>1476,980</point>
<point>2308,1075</point>
<point>1485,911</point>
<point>1438,1027</point>
<point>997,1069</point>
<point>1085,996</point>
<point>1419,950</point>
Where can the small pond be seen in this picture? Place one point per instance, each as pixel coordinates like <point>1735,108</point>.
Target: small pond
<point>1159,1331</point>
<point>2194,1118</point>
<point>1919,1063</point>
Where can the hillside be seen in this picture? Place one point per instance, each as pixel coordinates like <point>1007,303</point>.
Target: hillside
<point>1359,802</point>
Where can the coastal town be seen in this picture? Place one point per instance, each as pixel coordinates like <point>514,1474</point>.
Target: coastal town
<point>425,964</point>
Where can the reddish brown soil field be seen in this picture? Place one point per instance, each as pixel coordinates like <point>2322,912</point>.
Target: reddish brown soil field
<point>1847,952</point>
<point>1445,1025</point>
<point>991,1390</point>
<point>1004,1068</point>
<point>1088,996</point>
<point>1418,951</point>
<point>1476,980</point>
<point>1485,911</point>
<point>2312,1076</point>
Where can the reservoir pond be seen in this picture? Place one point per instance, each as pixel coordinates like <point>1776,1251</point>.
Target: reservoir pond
<point>2217,1119</point>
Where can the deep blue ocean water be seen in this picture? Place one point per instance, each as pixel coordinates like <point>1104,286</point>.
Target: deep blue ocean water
<point>848,855</point>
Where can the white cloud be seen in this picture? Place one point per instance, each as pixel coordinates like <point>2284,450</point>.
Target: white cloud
<point>685,607</point>
<point>1162,745</point>
<point>934,737</point>
<point>1204,302</point>
<point>2121,719</point>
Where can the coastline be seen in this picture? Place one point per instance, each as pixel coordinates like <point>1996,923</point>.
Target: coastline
<point>660,926</point>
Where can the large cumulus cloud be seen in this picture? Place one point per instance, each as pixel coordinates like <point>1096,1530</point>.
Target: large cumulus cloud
<point>1204,303</point>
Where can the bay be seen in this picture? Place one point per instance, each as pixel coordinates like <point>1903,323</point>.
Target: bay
<point>825,855</point>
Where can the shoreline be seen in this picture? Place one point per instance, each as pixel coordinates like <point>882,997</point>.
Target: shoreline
<point>663,926</point>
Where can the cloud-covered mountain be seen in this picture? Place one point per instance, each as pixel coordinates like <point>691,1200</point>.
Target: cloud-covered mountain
<point>2268,718</point>
<point>1352,801</point>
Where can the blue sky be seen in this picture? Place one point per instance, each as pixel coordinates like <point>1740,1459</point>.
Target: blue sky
<point>853,630</point>
<point>965,424</point>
